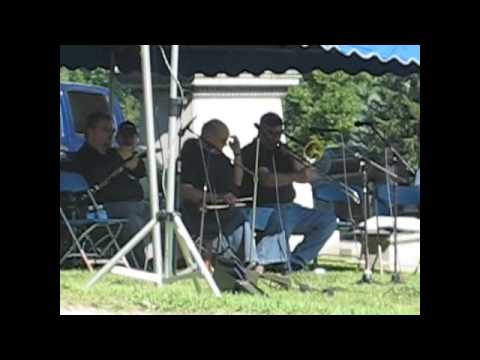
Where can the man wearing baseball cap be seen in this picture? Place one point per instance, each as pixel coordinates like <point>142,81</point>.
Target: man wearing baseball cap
<point>126,195</point>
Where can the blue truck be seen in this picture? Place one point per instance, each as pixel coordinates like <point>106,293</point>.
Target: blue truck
<point>77,101</point>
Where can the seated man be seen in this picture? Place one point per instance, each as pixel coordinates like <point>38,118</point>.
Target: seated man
<point>278,170</point>
<point>123,197</point>
<point>208,177</point>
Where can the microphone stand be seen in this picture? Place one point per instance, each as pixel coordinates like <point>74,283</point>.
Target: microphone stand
<point>178,170</point>
<point>396,154</point>
<point>396,277</point>
<point>364,161</point>
<point>367,276</point>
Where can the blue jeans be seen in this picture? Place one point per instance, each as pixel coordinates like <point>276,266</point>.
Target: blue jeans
<point>240,241</point>
<point>137,213</point>
<point>316,226</point>
<point>272,247</point>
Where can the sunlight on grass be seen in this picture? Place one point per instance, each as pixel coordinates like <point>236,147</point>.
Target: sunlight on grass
<point>121,295</point>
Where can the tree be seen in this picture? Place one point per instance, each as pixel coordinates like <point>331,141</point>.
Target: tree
<point>339,100</point>
<point>131,105</point>
<point>323,101</point>
<point>395,108</point>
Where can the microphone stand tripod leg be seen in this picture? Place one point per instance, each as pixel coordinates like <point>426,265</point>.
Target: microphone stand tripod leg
<point>396,277</point>
<point>367,276</point>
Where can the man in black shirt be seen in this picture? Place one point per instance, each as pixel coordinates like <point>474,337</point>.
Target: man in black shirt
<point>123,197</point>
<point>278,170</point>
<point>208,177</point>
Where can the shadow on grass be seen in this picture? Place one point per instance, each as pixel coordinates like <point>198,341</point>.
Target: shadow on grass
<point>334,267</point>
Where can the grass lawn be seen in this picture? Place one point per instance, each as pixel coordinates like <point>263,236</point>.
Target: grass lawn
<point>121,295</point>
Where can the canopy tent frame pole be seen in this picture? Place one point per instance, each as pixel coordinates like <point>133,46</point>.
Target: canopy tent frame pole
<point>172,146</point>
<point>152,158</point>
<point>153,226</point>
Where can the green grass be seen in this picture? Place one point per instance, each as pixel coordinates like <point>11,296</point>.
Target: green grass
<point>121,295</point>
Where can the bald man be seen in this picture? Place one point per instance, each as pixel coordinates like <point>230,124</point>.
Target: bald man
<point>208,177</point>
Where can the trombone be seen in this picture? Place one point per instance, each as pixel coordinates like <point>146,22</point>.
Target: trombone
<point>312,151</point>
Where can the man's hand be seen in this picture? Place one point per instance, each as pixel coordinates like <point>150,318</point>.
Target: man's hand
<point>307,175</point>
<point>132,164</point>
<point>235,145</point>
<point>230,199</point>
<point>126,153</point>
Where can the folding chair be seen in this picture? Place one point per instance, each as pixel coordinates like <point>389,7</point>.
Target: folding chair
<point>381,226</point>
<point>84,232</point>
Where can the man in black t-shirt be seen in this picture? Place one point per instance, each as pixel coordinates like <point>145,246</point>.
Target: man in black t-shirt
<point>208,177</point>
<point>123,197</point>
<point>278,170</point>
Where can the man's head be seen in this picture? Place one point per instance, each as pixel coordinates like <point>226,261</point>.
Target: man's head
<point>127,135</point>
<point>216,133</point>
<point>271,128</point>
<point>99,131</point>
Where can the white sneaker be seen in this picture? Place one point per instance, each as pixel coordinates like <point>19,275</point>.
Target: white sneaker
<point>320,271</point>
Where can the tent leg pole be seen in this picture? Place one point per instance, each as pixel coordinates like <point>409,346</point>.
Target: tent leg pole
<point>152,159</point>
<point>172,146</point>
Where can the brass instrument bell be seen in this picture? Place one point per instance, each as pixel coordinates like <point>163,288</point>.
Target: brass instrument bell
<point>314,150</point>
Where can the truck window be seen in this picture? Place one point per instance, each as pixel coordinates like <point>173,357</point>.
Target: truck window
<point>84,104</point>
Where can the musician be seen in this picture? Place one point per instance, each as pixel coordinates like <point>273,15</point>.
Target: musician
<point>278,170</point>
<point>123,197</point>
<point>208,177</point>
<point>127,140</point>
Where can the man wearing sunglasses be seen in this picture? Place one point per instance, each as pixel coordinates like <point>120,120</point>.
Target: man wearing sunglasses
<point>123,196</point>
<point>278,171</point>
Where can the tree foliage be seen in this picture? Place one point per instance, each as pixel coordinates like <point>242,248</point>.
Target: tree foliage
<point>339,100</point>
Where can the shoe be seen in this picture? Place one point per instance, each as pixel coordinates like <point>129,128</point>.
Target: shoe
<point>296,267</point>
<point>281,268</point>
<point>319,271</point>
<point>256,267</point>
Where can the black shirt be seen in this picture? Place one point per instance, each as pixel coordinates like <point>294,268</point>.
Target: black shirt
<point>96,167</point>
<point>284,164</point>
<point>220,170</point>
<point>220,174</point>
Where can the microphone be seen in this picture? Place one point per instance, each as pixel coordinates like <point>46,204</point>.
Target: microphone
<point>184,130</point>
<point>257,126</point>
<point>363,123</point>
<point>323,130</point>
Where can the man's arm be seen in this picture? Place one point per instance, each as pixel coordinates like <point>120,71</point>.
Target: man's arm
<point>140,170</point>
<point>295,164</point>
<point>238,171</point>
<point>194,196</point>
<point>267,178</point>
<point>238,164</point>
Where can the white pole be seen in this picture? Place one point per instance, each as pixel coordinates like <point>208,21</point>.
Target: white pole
<point>124,251</point>
<point>152,158</point>
<point>172,147</point>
